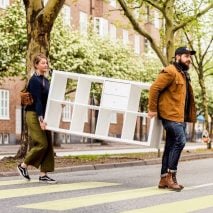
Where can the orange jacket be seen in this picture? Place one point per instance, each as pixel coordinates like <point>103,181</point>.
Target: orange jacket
<point>167,96</point>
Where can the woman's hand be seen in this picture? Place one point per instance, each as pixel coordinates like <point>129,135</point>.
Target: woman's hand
<point>43,125</point>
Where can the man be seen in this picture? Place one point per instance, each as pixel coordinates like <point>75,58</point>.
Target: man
<point>171,99</point>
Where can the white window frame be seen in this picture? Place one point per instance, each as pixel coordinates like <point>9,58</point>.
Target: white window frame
<point>147,14</point>
<point>67,113</point>
<point>45,2</point>
<point>125,37</point>
<point>1,138</point>
<point>136,10</point>
<point>101,26</point>
<point>146,45</point>
<point>112,3</point>
<point>113,32</point>
<point>4,4</point>
<point>66,14</point>
<point>6,139</point>
<point>4,104</point>
<point>137,44</point>
<point>156,20</point>
<point>113,118</point>
<point>18,120</point>
<point>83,22</point>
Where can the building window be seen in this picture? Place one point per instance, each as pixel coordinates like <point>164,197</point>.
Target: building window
<point>112,32</point>
<point>137,48</point>
<point>146,45</point>
<point>4,138</point>
<point>113,118</point>
<point>4,104</point>
<point>18,120</point>
<point>147,14</point>
<point>156,20</point>
<point>67,113</point>
<point>66,14</point>
<point>101,26</point>
<point>125,37</point>
<point>83,22</point>
<point>45,2</point>
<point>112,3</point>
<point>136,10</point>
<point>4,3</point>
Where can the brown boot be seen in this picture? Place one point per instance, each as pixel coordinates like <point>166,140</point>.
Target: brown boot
<point>175,180</point>
<point>171,184</point>
<point>163,183</point>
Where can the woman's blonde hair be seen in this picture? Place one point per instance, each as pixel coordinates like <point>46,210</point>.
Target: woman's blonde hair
<point>36,59</point>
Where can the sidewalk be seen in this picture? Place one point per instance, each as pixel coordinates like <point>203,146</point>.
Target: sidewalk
<point>97,149</point>
<point>110,148</point>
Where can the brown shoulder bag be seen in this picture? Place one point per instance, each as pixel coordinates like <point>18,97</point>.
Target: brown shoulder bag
<point>26,97</point>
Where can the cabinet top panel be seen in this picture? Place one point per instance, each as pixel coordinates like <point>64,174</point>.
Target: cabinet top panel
<point>99,79</point>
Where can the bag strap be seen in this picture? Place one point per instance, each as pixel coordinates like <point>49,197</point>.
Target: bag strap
<point>26,85</point>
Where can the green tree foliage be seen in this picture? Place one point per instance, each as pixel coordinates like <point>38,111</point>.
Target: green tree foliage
<point>93,55</point>
<point>97,56</point>
<point>13,40</point>
<point>174,16</point>
<point>199,35</point>
<point>70,51</point>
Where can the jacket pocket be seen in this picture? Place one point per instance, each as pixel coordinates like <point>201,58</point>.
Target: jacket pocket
<point>178,92</point>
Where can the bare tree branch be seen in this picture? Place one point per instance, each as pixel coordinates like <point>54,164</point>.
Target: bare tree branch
<point>208,60</point>
<point>209,68</point>
<point>192,18</point>
<point>153,3</point>
<point>54,6</point>
<point>191,45</point>
<point>210,42</point>
<point>143,32</point>
<point>161,9</point>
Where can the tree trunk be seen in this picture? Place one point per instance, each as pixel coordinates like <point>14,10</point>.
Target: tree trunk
<point>24,139</point>
<point>193,133</point>
<point>204,98</point>
<point>39,20</point>
<point>204,102</point>
<point>169,33</point>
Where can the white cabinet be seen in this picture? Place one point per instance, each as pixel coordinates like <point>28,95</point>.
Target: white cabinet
<point>117,96</point>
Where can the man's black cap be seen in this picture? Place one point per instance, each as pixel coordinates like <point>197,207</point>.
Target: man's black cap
<point>184,50</point>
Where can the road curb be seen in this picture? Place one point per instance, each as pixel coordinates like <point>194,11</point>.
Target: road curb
<point>115,165</point>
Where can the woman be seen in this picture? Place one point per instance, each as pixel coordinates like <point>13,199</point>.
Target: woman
<point>41,154</point>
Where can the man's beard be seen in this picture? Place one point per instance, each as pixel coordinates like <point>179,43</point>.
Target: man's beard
<point>183,65</point>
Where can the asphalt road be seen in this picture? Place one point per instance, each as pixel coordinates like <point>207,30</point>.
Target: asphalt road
<point>123,190</point>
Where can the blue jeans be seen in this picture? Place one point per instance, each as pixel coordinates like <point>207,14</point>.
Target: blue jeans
<point>175,142</point>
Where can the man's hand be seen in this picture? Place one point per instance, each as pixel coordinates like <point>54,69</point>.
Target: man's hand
<point>152,114</point>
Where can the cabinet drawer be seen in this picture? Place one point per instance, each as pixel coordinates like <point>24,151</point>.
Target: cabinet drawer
<point>113,101</point>
<point>116,88</point>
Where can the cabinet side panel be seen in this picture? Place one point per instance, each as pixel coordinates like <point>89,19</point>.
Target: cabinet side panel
<point>83,91</point>
<point>134,98</point>
<point>129,124</point>
<point>155,133</point>
<point>103,122</point>
<point>53,114</point>
<point>78,118</point>
<point>57,86</point>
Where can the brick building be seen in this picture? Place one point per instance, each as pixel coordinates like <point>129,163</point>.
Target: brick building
<point>107,20</point>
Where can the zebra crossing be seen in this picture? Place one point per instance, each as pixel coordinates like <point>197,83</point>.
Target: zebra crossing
<point>179,206</point>
<point>17,189</point>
